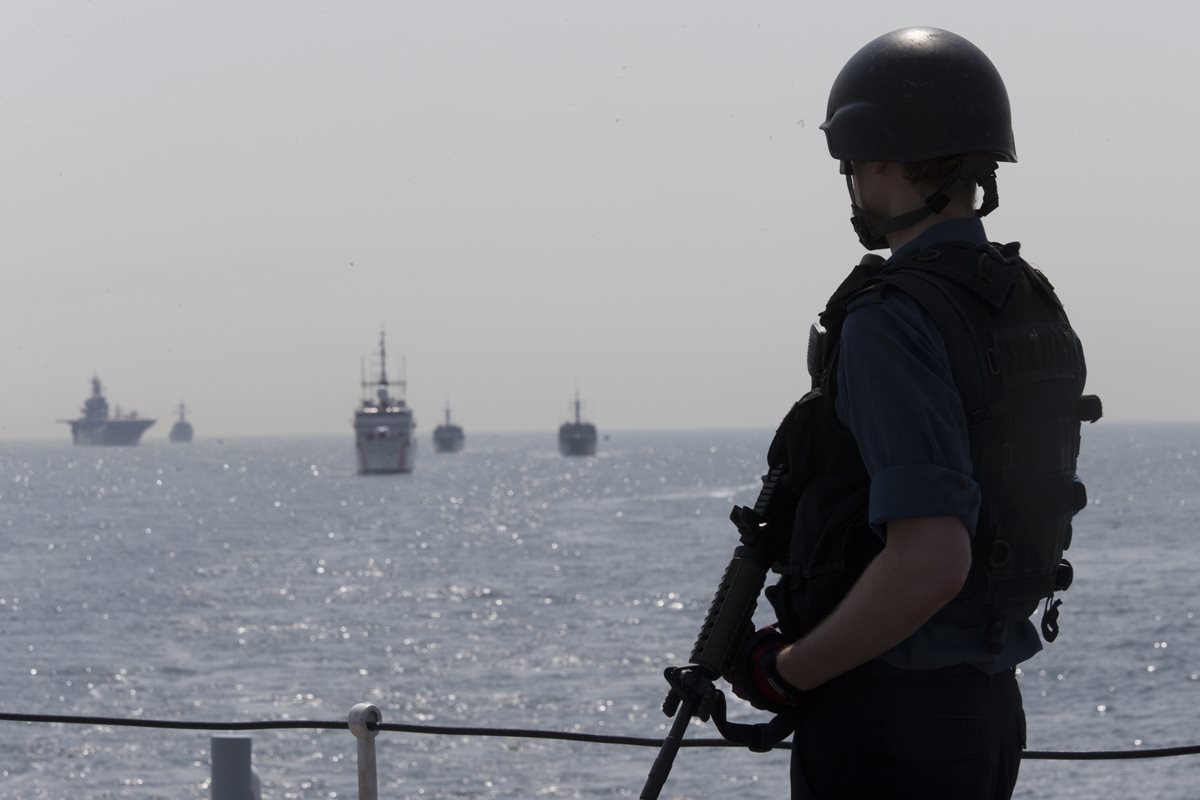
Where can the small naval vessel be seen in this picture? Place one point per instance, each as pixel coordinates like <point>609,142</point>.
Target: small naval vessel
<point>97,427</point>
<point>448,437</point>
<point>384,428</point>
<point>181,431</point>
<point>577,438</point>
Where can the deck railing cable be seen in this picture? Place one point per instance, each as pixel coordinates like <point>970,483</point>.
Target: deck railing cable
<point>524,733</point>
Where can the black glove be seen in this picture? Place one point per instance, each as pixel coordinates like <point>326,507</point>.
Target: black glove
<point>754,677</point>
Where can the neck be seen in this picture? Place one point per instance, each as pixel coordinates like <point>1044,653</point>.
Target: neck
<point>898,239</point>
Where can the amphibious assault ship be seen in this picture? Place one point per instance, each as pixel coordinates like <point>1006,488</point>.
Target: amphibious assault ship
<point>448,437</point>
<point>577,438</point>
<point>384,428</point>
<point>97,427</point>
<point>181,431</point>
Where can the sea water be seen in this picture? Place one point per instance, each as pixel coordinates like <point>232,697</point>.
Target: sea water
<point>503,586</point>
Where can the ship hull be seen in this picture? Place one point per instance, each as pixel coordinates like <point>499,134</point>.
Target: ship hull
<point>448,439</point>
<point>385,443</point>
<point>181,433</point>
<point>110,433</point>
<point>577,439</point>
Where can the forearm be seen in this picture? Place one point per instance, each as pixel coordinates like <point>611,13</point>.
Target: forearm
<point>920,570</point>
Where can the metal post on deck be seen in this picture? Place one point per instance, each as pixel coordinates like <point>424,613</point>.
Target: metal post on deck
<point>362,716</point>
<point>232,776</point>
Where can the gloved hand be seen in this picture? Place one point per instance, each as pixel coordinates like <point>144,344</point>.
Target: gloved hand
<point>754,677</point>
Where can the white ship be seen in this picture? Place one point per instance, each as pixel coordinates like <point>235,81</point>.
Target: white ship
<point>384,428</point>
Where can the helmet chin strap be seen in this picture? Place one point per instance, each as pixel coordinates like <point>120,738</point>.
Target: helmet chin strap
<point>872,232</point>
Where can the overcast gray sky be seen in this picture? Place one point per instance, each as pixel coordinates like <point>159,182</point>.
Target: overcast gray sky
<point>221,202</point>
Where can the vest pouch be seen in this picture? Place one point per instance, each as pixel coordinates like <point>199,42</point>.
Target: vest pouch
<point>796,443</point>
<point>793,454</point>
<point>826,523</point>
<point>831,546</point>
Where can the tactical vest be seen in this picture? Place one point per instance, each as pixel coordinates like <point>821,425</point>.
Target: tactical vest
<point>1019,369</point>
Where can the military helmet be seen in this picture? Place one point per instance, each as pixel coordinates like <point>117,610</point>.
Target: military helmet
<point>916,94</point>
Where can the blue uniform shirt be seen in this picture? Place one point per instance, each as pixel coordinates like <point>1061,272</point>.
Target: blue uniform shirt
<point>895,392</point>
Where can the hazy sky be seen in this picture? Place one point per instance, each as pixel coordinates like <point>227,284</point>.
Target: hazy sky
<point>221,202</point>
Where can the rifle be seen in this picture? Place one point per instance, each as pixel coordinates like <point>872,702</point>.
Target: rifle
<point>728,622</point>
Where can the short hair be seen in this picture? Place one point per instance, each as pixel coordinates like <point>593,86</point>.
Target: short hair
<point>929,175</point>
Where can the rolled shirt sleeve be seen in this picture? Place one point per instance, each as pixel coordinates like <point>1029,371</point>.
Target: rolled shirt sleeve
<point>896,394</point>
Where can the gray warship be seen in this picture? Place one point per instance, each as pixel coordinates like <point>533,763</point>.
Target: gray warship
<point>181,431</point>
<point>577,438</point>
<point>97,427</point>
<point>448,437</point>
<point>384,427</point>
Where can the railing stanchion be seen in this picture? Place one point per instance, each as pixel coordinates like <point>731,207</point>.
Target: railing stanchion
<point>362,717</point>
<point>232,775</point>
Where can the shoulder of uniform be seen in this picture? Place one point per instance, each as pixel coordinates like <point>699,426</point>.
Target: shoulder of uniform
<point>873,296</point>
<point>886,311</point>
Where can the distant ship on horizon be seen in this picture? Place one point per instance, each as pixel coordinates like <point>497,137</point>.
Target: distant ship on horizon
<point>384,427</point>
<point>181,431</point>
<point>577,438</point>
<point>448,437</point>
<point>96,427</point>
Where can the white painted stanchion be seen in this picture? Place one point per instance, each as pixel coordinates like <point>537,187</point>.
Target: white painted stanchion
<point>232,776</point>
<point>361,716</point>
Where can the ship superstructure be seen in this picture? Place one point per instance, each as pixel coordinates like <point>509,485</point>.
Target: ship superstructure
<point>97,426</point>
<point>384,427</point>
<point>448,437</point>
<point>181,431</point>
<point>577,438</point>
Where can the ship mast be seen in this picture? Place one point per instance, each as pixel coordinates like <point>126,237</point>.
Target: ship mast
<point>381,386</point>
<point>383,381</point>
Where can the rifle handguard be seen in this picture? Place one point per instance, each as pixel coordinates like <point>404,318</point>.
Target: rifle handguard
<point>731,611</point>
